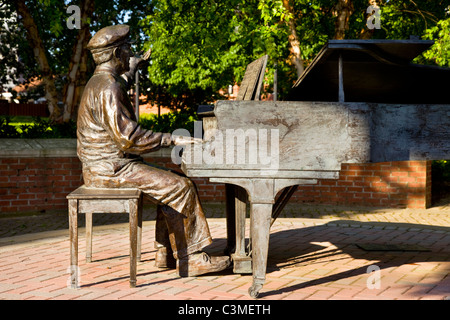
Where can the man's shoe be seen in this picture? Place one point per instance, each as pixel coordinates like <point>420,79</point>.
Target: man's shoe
<point>200,263</point>
<point>164,259</point>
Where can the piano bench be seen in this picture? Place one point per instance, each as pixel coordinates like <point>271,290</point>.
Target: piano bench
<point>95,200</point>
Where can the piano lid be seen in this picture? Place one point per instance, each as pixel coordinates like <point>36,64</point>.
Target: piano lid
<point>378,71</point>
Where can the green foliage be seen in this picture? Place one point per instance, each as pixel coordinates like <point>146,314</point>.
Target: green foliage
<point>40,128</point>
<point>188,38</point>
<point>206,45</point>
<point>16,55</point>
<point>6,129</point>
<point>168,122</point>
<point>441,170</point>
<point>200,47</point>
<point>439,53</point>
<point>37,129</point>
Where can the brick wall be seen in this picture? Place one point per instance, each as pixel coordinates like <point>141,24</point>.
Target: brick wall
<point>387,184</point>
<point>37,184</point>
<point>42,183</point>
<point>209,192</point>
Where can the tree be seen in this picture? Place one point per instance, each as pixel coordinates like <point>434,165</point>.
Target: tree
<point>36,43</point>
<point>206,45</point>
<point>293,38</point>
<point>77,73</point>
<point>439,53</point>
<point>400,19</point>
<point>200,47</point>
<point>54,52</point>
<point>342,10</point>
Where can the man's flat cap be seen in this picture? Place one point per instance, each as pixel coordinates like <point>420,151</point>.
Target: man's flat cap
<point>109,37</point>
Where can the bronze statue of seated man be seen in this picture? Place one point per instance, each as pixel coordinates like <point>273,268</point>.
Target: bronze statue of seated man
<point>110,141</point>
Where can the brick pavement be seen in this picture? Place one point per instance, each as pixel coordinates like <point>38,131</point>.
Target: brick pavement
<point>313,255</point>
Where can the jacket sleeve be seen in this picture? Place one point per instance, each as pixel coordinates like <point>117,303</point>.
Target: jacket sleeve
<point>119,121</point>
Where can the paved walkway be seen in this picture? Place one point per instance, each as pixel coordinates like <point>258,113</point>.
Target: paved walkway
<point>316,252</point>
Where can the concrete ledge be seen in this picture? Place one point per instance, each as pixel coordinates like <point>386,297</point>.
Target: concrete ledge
<point>26,148</point>
<point>50,148</point>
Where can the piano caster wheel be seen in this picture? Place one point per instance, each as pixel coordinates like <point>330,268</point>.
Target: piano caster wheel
<point>253,291</point>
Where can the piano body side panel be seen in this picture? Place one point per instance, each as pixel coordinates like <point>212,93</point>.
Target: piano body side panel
<point>311,140</point>
<point>410,132</point>
<point>281,139</point>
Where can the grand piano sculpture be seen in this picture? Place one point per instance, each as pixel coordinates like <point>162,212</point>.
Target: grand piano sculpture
<point>359,101</point>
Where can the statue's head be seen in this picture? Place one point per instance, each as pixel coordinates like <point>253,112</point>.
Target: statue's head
<point>111,44</point>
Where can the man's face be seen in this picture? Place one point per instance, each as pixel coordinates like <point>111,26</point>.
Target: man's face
<point>124,57</point>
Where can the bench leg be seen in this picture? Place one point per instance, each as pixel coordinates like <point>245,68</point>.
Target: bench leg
<point>73,234</point>
<point>139,235</point>
<point>89,237</point>
<point>133,241</point>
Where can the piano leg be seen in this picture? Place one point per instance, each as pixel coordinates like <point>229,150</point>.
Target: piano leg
<point>230,208</point>
<point>236,208</point>
<point>242,262</point>
<point>261,194</point>
<point>260,226</point>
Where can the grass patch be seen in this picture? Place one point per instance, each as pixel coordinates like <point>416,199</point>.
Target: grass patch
<point>35,128</point>
<point>40,128</point>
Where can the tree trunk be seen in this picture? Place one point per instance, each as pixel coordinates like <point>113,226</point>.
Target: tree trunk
<point>367,33</point>
<point>342,10</point>
<point>35,42</point>
<point>78,64</point>
<point>295,55</point>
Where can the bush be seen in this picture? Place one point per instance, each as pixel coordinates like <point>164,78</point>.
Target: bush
<point>7,130</point>
<point>441,170</point>
<point>38,128</point>
<point>168,122</point>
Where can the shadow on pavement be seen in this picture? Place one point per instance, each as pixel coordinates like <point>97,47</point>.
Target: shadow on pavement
<point>295,248</point>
